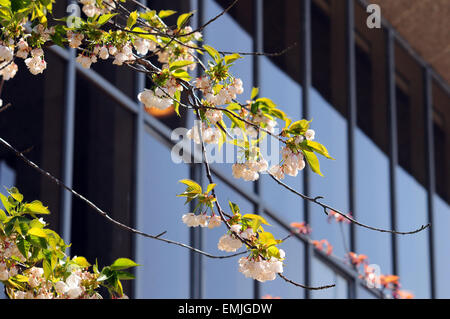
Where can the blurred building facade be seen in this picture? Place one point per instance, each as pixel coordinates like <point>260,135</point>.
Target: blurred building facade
<point>380,108</point>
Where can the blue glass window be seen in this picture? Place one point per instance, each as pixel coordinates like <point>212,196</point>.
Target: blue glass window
<point>413,256</point>
<point>441,225</point>
<point>331,131</point>
<point>165,268</point>
<point>372,202</point>
<point>286,93</point>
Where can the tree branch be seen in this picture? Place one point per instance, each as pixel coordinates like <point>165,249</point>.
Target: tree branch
<point>103,213</point>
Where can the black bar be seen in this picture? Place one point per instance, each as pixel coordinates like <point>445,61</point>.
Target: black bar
<point>351,118</point>
<point>431,180</point>
<point>306,82</point>
<point>393,140</point>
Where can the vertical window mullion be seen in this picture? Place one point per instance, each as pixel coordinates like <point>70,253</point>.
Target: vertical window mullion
<point>393,141</point>
<point>196,238</point>
<point>138,146</point>
<point>431,186</point>
<point>306,82</point>
<point>351,118</point>
<point>68,145</point>
<point>257,47</point>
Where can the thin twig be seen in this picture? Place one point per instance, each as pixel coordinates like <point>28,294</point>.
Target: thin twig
<point>325,207</point>
<point>103,213</point>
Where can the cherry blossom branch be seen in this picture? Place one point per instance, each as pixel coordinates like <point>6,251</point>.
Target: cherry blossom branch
<point>103,213</point>
<point>244,241</point>
<point>325,207</point>
<point>201,28</point>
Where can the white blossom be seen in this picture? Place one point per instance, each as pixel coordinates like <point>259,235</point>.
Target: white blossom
<point>9,71</point>
<point>214,221</point>
<point>103,53</point>
<point>75,39</point>
<point>150,99</point>
<point>6,54</point>
<point>310,134</point>
<point>190,220</point>
<point>36,65</point>
<point>261,270</point>
<point>73,282</point>
<point>277,171</point>
<point>85,61</point>
<point>229,243</point>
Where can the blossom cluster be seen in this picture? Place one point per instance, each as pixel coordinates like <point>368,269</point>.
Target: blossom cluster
<point>374,279</point>
<point>202,220</point>
<point>261,121</point>
<point>92,7</point>
<point>20,48</point>
<point>210,135</point>
<point>223,95</point>
<point>79,284</point>
<point>249,171</point>
<point>33,262</point>
<point>293,161</point>
<point>261,269</point>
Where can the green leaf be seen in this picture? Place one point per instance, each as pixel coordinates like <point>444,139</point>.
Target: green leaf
<point>144,34</point>
<point>81,261</point>
<point>105,18</point>
<point>231,58</point>
<point>255,107</point>
<point>181,74</point>
<point>36,223</point>
<point>6,204</point>
<point>194,187</point>
<point>313,161</point>
<point>267,102</point>
<point>36,207</point>
<point>3,216</point>
<point>14,192</point>
<point>23,246</point>
<point>166,13</point>
<point>132,19</point>
<point>37,232</point>
<point>179,64</point>
<point>210,187</point>
<point>5,3</point>
<point>20,278</point>
<point>267,239</point>
<point>299,127</point>
<point>123,275</point>
<point>235,121</point>
<point>123,263</point>
<point>176,104</point>
<point>212,52</point>
<point>255,92</point>
<point>278,113</point>
<point>273,251</point>
<point>319,148</point>
<point>234,208</point>
<point>256,217</point>
<point>47,268</point>
<point>182,19</point>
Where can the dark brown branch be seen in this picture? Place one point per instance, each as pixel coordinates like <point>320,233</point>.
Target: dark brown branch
<point>103,213</point>
<point>325,207</point>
